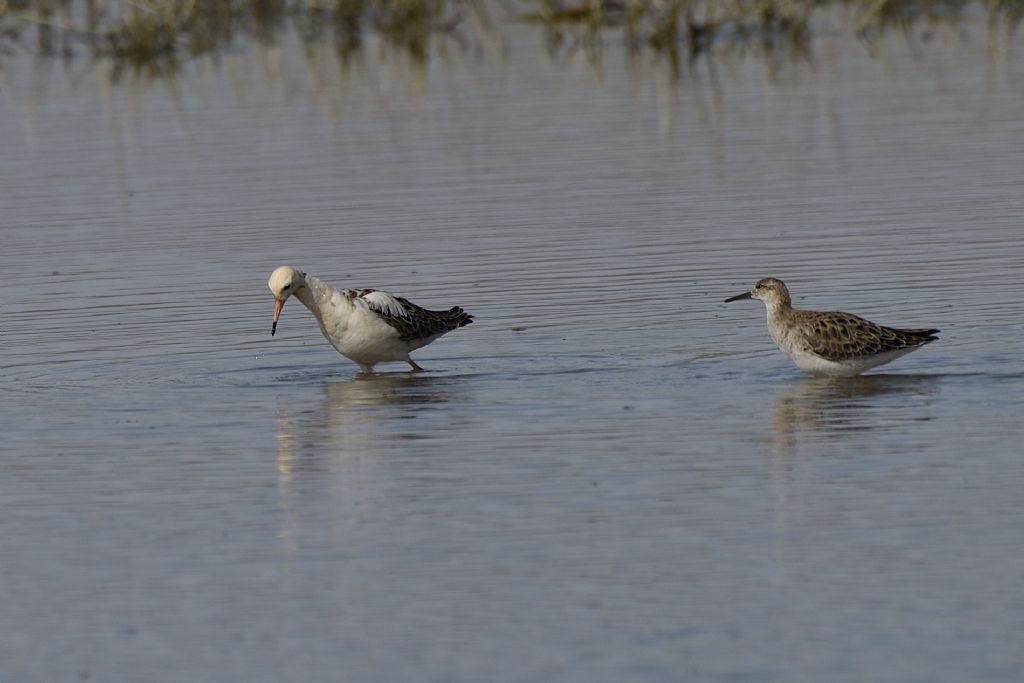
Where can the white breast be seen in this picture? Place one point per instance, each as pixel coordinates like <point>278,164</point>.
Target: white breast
<point>354,330</point>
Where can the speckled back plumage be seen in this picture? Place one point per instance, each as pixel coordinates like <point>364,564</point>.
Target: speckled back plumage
<point>839,336</point>
<point>412,322</point>
<point>831,343</point>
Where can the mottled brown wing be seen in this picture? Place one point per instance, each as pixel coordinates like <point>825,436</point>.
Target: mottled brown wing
<point>843,336</point>
<point>411,321</point>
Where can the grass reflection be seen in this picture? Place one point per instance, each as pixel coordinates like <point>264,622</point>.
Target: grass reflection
<point>688,29</point>
<point>159,34</point>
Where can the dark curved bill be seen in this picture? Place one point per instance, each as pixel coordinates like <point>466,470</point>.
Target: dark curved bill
<point>744,295</point>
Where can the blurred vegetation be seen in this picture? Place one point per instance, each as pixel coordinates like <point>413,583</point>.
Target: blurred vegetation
<point>160,33</point>
<point>691,28</point>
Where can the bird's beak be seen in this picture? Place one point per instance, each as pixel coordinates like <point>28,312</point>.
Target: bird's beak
<point>744,295</point>
<point>278,305</point>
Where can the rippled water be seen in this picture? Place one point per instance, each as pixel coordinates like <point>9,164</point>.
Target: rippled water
<point>611,475</point>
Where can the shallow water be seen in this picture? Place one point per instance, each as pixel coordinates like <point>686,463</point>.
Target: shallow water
<point>611,475</point>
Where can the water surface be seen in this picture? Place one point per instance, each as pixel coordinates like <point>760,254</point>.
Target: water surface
<point>611,475</point>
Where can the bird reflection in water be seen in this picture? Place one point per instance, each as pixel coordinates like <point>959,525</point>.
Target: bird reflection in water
<point>340,448</point>
<point>356,412</point>
<point>814,408</point>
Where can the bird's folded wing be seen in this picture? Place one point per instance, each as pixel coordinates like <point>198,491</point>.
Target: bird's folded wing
<point>409,320</point>
<point>382,303</point>
<point>842,336</point>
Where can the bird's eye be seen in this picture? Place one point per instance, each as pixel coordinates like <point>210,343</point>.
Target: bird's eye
<point>287,286</point>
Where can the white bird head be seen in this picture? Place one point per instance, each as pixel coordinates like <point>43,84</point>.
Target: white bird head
<point>284,282</point>
<point>771,291</point>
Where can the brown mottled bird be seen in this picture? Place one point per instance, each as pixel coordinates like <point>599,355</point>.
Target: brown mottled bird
<point>367,326</point>
<point>831,343</point>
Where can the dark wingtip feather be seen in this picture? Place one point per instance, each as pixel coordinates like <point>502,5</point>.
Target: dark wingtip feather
<point>462,318</point>
<point>923,335</point>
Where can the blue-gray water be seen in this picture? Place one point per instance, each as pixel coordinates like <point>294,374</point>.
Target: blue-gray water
<point>611,476</point>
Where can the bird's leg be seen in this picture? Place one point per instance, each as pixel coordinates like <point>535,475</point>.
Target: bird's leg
<point>413,365</point>
<point>366,369</point>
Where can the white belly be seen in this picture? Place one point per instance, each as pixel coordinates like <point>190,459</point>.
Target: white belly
<point>364,339</point>
<point>816,365</point>
<point>359,335</point>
